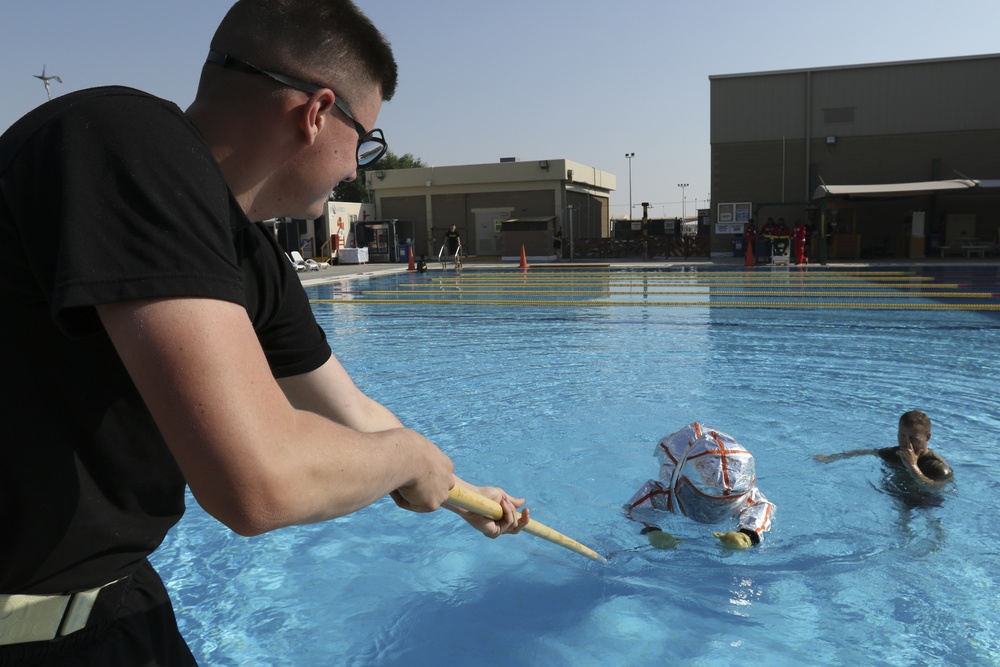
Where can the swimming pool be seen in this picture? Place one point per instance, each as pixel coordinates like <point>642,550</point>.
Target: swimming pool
<point>563,402</point>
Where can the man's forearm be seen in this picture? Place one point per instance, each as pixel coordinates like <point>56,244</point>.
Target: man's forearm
<point>919,476</point>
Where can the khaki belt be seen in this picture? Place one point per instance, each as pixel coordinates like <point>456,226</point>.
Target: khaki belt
<point>39,618</point>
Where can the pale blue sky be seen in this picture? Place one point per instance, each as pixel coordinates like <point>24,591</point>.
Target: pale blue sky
<point>585,80</point>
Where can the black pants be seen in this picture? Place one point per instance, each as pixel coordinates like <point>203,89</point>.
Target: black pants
<point>131,624</point>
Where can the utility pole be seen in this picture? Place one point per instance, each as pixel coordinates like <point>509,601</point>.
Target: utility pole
<point>629,156</point>
<point>645,226</point>
<point>569,209</point>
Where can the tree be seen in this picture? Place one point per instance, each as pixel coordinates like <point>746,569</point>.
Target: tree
<point>357,191</point>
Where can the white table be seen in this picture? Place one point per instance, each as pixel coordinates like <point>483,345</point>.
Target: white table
<point>352,255</point>
<point>974,246</point>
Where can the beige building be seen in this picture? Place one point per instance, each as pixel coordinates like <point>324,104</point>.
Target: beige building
<point>892,159</point>
<point>496,207</point>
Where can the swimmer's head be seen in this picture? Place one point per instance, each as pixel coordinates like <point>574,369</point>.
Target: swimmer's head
<point>722,476</point>
<point>715,482</point>
<point>710,461</point>
<point>915,431</point>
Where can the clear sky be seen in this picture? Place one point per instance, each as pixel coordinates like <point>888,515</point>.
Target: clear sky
<point>585,80</point>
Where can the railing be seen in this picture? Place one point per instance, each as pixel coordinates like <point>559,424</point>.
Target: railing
<point>657,246</point>
<point>443,258</point>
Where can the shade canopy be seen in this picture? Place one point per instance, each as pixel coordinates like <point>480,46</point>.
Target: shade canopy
<point>893,189</point>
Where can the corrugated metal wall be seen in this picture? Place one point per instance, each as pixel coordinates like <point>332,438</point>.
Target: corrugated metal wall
<point>888,123</point>
<point>932,96</point>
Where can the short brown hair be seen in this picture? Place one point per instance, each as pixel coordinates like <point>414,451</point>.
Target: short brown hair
<point>325,41</point>
<point>916,419</point>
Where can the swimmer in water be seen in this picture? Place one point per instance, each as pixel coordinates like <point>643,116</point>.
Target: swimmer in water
<point>708,476</point>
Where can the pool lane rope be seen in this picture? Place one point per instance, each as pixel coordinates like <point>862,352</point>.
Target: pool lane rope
<point>866,290</point>
<point>479,291</point>
<point>680,304</point>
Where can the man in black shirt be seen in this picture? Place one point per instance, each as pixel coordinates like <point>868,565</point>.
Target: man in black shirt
<point>155,336</point>
<point>454,243</point>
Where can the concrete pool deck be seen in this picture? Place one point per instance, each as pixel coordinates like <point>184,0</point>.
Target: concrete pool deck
<point>339,272</point>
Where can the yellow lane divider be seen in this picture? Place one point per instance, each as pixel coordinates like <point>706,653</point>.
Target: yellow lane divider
<point>679,274</point>
<point>512,275</point>
<point>786,285</point>
<point>683,279</point>
<point>714,292</point>
<point>697,304</point>
<point>670,283</point>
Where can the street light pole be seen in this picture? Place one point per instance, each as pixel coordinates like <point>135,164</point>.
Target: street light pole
<point>630,156</point>
<point>683,201</point>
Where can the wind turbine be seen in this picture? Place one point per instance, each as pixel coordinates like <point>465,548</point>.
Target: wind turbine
<point>46,79</point>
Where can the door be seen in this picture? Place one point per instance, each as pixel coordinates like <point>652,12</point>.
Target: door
<point>488,229</point>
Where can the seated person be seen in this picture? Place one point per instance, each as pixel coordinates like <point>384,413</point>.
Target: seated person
<point>781,231</point>
<point>769,229</point>
<point>708,476</point>
<point>925,467</point>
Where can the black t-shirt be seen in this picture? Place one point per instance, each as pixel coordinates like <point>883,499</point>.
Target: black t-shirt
<point>109,195</point>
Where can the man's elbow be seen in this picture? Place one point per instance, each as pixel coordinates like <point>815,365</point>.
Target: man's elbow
<point>250,523</point>
<point>248,515</point>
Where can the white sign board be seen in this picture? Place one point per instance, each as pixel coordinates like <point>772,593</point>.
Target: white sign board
<point>728,228</point>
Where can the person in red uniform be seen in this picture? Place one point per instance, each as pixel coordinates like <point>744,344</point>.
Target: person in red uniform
<point>780,241</point>
<point>799,234</point>
<point>767,233</point>
<point>781,230</point>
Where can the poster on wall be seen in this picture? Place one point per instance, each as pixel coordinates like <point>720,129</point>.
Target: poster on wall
<point>742,212</point>
<point>732,217</point>
<point>729,228</point>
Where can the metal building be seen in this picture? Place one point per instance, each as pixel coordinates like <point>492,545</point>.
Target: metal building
<point>897,159</point>
<point>479,199</point>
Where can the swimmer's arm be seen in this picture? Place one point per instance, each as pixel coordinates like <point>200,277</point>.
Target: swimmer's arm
<point>827,458</point>
<point>920,477</point>
<point>909,459</point>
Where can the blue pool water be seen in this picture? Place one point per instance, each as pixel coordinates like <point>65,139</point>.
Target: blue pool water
<point>560,395</point>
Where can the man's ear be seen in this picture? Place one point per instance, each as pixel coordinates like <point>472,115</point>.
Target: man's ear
<point>316,114</point>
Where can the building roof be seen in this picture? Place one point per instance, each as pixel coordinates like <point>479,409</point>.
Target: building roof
<point>891,63</point>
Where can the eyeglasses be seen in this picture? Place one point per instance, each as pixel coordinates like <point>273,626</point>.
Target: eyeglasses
<point>371,144</point>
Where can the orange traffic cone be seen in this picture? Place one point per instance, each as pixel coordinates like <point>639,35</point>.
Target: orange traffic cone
<point>411,266</point>
<point>748,261</point>
<point>524,260</point>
